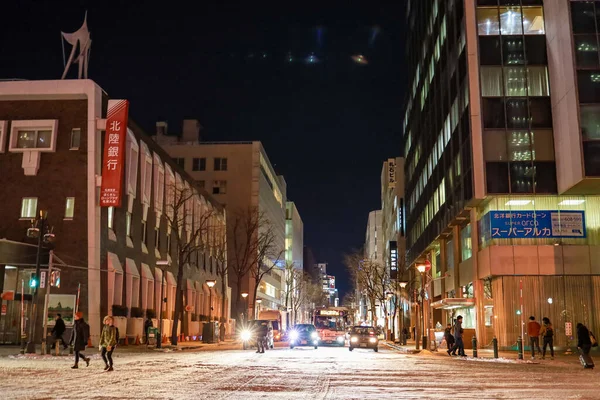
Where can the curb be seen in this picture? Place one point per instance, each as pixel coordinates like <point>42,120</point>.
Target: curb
<point>402,349</point>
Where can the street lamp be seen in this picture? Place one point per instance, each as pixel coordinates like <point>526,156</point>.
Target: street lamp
<point>422,268</point>
<point>38,231</point>
<point>402,286</point>
<point>245,313</point>
<point>163,264</point>
<point>210,283</point>
<point>389,321</point>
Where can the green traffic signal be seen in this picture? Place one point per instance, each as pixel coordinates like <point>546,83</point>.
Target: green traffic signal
<point>33,282</point>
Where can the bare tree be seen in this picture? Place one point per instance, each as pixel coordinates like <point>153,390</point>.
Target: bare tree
<point>220,254</point>
<point>188,223</point>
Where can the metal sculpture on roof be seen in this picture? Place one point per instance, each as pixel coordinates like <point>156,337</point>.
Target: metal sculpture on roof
<point>81,38</point>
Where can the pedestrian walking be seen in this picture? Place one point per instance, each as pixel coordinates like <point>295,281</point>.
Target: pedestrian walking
<point>584,344</point>
<point>547,333</point>
<point>222,331</point>
<point>448,336</point>
<point>458,337</point>
<point>79,339</point>
<point>108,341</point>
<point>58,331</point>
<point>533,330</point>
<point>147,325</point>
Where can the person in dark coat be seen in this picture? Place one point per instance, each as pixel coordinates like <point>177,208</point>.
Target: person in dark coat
<point>222,331</point>
<point>584,343</point>
<point>58,331</point>
<point>79,339</point>
<point>147,325</point>
<point>448,336</point>
<point>547,333</point>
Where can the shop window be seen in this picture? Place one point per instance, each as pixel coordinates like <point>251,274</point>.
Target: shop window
<point>537,81</point>
<point>521,177</point>
<point>590,121</point>
<point>535,47</point>
<point>591,157</point>
<point>493,113</point>
<point>491,81</point>
<point>583,17</point>
<point>496,175</point>
<point>545,177</point>
<point>511,21</point>
<point>540,111</point>
<point>517,116</point>
<point>588,83</point>
<point>533,21</point>
<point>489,50</point>
<point>586,51</point>
<point>519,146</point>
<point>513,50</point>
<point>494,146</point>
<point>488,21</point>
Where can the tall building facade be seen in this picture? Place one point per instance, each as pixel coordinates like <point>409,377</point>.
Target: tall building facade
<point>294,236</point>
<point>373,252</point>
<point>240,176</point>
<point>501,173</point>
<point>51,152</point>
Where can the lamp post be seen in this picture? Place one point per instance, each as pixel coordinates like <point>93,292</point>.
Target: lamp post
<point>38,231</point>
<point>164,264</point>
<point>245,313</point>
<point>422,268</point>
<point>401,324</point>
<point>210,283</point>
<point>390,321</point>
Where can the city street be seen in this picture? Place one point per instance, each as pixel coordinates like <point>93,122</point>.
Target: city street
<point>302,373</point>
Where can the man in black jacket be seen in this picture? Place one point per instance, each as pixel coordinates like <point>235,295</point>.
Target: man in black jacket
<point>58,331</point>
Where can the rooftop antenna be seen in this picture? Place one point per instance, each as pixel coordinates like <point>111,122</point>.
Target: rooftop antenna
<point>82,39</point>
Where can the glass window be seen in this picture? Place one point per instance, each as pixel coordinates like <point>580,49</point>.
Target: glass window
<point>199,164</point>
<point>491,81</point>
<point>465,242</point>
<point>533,21</point>
<point>511,20</point>
<point>516,113</point>
<point>519,146</point>
<point>545,177</point>
<point>26,139</point>
<point>496,176</point>
<point>543,145</point>
<point>219,187</point>
<point>220,164</point>
<point>521,177</point>
<point>29,207</point>
<point>70,207</point>
<point>128,224</point>
<point>588,83</point>
<point>535,47</point>
<point>494,146</point>
<point>537,81</point>
<point>540,111</point>
<point>582,17</point>
<point>493,113</point>
<point>586,51</point>
<point>487,21</point>
<point>489,50</point>
<point>513,49</point>
<point>590,121</point>
<point>591,158</point>
<point>515,82</point>
<point>75,139</point>
<point>111,217</point>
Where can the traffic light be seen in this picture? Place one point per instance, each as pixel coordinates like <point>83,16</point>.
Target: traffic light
<point>33,281</point>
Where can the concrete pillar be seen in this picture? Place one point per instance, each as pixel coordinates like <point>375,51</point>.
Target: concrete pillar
<point>478,291</point>
<point>456,244</point>
<point>443,270</point>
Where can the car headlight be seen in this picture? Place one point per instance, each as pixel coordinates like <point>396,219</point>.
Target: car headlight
<point>314,335</point>
<point>354,339</point>
<point>246,335</point>
<point>293,335</point>
<point>373,340</point>
<point>340,339</point>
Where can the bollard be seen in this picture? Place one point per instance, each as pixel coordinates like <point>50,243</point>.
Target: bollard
<point>520,347</point>
<point>474,344</point>
<point>495,344</point>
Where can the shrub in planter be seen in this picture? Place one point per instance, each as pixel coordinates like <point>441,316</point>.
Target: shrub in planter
<point>151,313</point>
<point>137,312</point>
<point>119,311</point>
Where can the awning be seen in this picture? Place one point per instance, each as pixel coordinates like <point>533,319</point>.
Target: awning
<point>114,265</point>
<point>146,272</point>
<point>131,268</point>
<point>450,303</point>
<point>171,279</point>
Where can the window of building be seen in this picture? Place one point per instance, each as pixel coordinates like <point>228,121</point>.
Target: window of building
<point>588,83</point>
<point>533,20</point>
<point>157,239</point>
<point>70,208</point>
<point>519,146</point>
<point>465,243</point>
<point>513,50</point>
<point>491,81</point>
<point>586,51</point>
<point>540,110</point>
<point>128,224</point>
<point>488,22</point>
<point>3,130</point>
<point>591,158</point>
<point>521,177</point>
<point>33,139</point>
<point>517,115</point>
<point>145,233</point>
<point>496,176</point>
<point>537,81</point>
<point>220,164</point>
<point>111,217</point>
<point>493,112</point>
<point>33,134</point>
<point>511,22</point>
<point>583,17</point>
<point>516,81</point>
<point>542,142</point>
<point>536,50</point>
<point>199,164</point>
<point>180,162</point>
<point>75,139</point>
<point>590,121</point>
<point>219,187</point>
<point>29,207</point>
<point>494,146</point>
<point>545,177</point>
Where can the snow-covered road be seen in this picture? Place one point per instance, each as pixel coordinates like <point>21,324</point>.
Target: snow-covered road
<point>326,373</point>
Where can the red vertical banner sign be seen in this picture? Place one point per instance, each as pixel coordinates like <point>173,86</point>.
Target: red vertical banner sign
<point>113,159</point>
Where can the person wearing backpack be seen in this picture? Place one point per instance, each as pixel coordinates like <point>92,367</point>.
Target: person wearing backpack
<point>108,341</point>
<point>79,339</point>
<point>547,333</point>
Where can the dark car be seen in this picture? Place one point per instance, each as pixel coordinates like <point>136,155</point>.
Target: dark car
<point>364,337</point>
<point>303,335</point>
<point>253,329</point>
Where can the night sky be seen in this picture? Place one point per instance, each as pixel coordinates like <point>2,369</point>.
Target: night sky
<point>326,126</point>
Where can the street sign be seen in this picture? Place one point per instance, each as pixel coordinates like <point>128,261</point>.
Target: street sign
<point>568,329</point>
<point>42,279</point>
<point>3,309</point>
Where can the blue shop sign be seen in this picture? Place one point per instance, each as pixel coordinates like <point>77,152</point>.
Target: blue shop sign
<point>536,224</point>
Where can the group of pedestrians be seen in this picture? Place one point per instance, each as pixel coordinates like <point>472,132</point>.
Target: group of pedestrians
<point>454,338</point>
<point>546,331</point>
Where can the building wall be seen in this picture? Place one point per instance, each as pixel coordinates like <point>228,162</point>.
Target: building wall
<point>294,236</point>
<point>374,245</point>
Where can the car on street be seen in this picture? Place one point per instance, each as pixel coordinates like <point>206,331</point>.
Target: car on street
<point>364,337</point>
<point>303,335</point>
<point>250,332</point>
